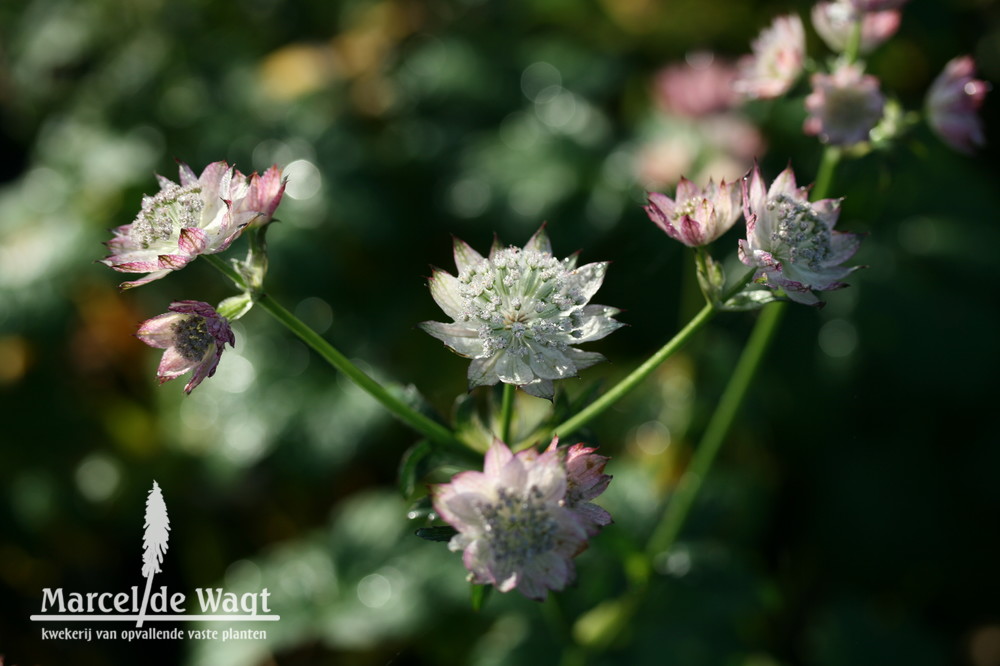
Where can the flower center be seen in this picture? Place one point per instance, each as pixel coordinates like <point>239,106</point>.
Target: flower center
<point>800,235</point>
<point>191,337</point>
<point>518,528</point>
<point>520,296</point>
<point>163,216</point>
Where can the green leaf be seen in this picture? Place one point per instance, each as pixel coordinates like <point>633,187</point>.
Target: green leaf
<point>479,594</point>
<point>436,533</point>
<point>410,466</point>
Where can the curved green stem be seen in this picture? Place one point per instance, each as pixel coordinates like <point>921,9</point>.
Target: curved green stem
<point>718,427</point>
<point>422,424</point>
<point>618,391</point>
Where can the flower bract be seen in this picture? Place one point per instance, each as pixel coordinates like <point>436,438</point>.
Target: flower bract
<point>193,335</point>
<point>523,519</point>
<point>835,22</point>
<point>518,312</point>
<point>200,215</point>
<point>695,216</point>
<point>791,240</point>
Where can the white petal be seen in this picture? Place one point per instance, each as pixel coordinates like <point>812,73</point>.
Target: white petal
<point>463,340</point>
<point>445,289</point>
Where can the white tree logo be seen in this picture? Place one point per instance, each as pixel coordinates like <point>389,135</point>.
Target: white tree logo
<point>154,542</point>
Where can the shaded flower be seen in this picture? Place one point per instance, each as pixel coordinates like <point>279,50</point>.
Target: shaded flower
<point>201,215</point>
<point>517,313</point>
<point>953,103</point>
<point>835,22</point>
<point>697,217</point>
<point>701,86</point>
<point>516,526</point>
<point>777,60</point>
<point>844,106</point>
<point>585,480</point>
<point>193,335</point>
<point>791,241</point>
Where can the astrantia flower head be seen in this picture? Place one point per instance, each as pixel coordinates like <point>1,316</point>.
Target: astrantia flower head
<point>877,5</point>
<point>953,103</point>
<point>701,86</point>
<point>517,528</point>
<point>844,106</point>
<point>585,480</point>
<point>777,60</point>
<point>791,240</point>
<point>696,216</point>
<point>193,335</point>
<point>836,21</point>
<point>201,215</point>
<point>518,311</point>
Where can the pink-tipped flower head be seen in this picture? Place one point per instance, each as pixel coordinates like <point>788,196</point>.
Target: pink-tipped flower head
<point>696,216</point>
<point>791,240</point>
<point>844,106</point>
<point>777,60</point>
<point>700,86</point>
<point>201,215</point>
<point>518,312</point>
<point>585,480</point>
<point>836,21</point>
<point>263,196</point>
<point>953,103</point>
<point>193,335</point>
<point>518,525</point>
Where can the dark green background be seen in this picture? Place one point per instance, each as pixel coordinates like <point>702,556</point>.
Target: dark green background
<point>852,518</point>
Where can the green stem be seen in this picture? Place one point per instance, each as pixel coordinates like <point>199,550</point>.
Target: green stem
<point>422,424</point>
<point>616,393</point>
<point>824,178</point>
<point>506,412</point>
<point>718,427</point>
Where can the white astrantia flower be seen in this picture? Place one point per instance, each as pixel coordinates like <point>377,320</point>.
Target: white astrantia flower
<point>518,311</point>
<point>791,241</point>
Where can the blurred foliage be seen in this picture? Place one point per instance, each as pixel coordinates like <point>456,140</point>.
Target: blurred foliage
<point>852,517</point>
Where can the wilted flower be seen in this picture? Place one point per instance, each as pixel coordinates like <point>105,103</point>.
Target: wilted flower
<point>844,106</point>
<point>836,21</point>
<point>697,217</point>
<point>193,334</point>
<point>523,519</point>
<point>518,311</point>
<point>953,103</point>
<point>700,86</point>
<point>777,60</point>
<point>201,215</point>
<point>791,241</point>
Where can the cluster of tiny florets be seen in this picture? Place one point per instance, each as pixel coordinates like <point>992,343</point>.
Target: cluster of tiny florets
<point>803,237</point>
<point>517,296</point>
<point>517,528</point>
<point>191,337</point>
<point>164,214</point>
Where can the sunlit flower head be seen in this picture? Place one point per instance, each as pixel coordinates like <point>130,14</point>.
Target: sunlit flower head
<point>518,311</point>
<point>700,86</point>
<point>835,22</point>
<point>844,106</point>
<point>517,528</point>
<point>193,335</point>
<point>696,216</point>
<point>791,240</point>
<point>777,60</point>
<point>953,103</point>
<point>201,215</point>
